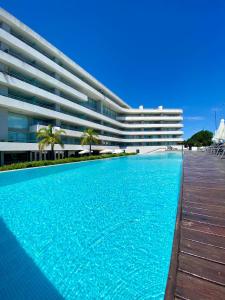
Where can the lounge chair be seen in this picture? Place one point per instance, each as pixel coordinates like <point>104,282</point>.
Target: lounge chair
<point>214,148</point>
<point>221,152</point>
<point>220,149</point>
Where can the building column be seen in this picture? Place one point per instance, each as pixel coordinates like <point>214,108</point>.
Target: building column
<point>31,156</point>
<point>35,155</point>
<point>57,92</point>
<point>66,153</point>
<point>101,112</point>
<point>2,156</point>
<point>57,106</point>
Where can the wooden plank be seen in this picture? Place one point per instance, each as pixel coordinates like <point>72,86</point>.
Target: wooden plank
<point>206,238</point>
<point>211,207</point>
<point>202,268</point>
<point>207,211</point>
<point>203,218</point>
<point>202,227</point>
<point>207,185</point>
<point>203,250</point>
<point>204,198</point>
<point>193,288</point>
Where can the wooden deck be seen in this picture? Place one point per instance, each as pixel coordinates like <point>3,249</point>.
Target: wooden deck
<point>197,270</point>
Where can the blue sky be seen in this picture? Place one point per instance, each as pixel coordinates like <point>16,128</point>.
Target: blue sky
<point>169,53</point>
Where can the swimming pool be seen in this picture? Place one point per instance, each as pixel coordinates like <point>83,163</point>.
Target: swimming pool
<point>93,230</point>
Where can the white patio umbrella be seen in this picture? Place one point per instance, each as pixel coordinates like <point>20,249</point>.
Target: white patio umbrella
<point>219,135</point>
<point>106,151</point>
<point>85,151</point>
<point>118,151</point>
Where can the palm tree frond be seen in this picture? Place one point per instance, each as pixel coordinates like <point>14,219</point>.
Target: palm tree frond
<point>89,137</point>
<point>47,137</point>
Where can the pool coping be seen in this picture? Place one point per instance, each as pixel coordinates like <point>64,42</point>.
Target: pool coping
<point>172,274</point>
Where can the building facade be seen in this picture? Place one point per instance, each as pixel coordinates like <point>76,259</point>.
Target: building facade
<point>39,85</point>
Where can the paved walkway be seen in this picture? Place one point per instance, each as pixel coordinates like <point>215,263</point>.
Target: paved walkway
<point>198,261</point>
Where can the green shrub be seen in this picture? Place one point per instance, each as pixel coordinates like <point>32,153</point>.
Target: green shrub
<point>40,163</point>
<point>201,138</point>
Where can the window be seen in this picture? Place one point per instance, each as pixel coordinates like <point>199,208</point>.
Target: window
<point>14,136</point>
<point>17,121</point>
<point>109,113</point>
<point>91,104</point>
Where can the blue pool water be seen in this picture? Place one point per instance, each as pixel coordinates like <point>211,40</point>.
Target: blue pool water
<point>93,230</point>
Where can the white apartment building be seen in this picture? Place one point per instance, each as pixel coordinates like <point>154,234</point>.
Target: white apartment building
<point>39,85</point>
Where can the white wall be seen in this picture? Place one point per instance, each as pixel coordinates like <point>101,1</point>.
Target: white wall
<point>147,149</point>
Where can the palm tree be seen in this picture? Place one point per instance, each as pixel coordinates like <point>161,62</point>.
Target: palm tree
<point>89,137</point>
<point>49,136</point>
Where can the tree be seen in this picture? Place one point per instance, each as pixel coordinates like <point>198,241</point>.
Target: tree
<point>49,137</point>
<point>89,137</point>
<point>201,138</point>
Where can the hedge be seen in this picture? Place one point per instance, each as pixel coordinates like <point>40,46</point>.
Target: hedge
<point>40,163</point>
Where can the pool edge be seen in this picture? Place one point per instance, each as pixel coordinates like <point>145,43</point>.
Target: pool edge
<point>172,274</point>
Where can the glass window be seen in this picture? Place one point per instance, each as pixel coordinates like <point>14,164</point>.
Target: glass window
<point>109,113</point>
<point>17,121</point>
<point>92,104</point>
<point>14,136</point>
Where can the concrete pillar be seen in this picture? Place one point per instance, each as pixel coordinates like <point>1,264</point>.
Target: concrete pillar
<point>101,107</point>
<point>31,156</point>
<point>101,112</point>
<point>45,155</point>
<point>35,155</point>
<point>40,155</point>
<point>2,156</point>
<point>57,108</point>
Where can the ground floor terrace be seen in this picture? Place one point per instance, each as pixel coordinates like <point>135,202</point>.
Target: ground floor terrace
<point>198,261</point>
<point>12,152</point>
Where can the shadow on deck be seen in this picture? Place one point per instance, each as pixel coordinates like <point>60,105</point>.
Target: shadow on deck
<point>197,268</point>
